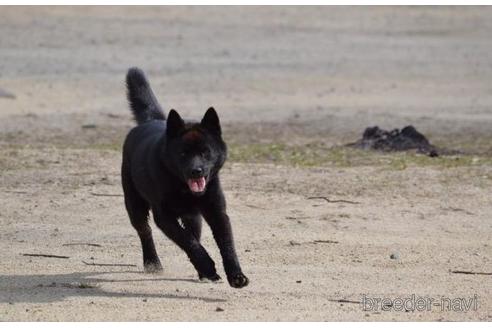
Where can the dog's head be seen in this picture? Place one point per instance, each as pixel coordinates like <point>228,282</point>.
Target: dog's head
<point>194,152</point>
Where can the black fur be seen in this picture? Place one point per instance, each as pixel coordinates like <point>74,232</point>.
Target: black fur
<point>142,100</point>
<point>162,160</point>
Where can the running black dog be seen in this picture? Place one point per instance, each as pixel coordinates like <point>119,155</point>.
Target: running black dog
<point>172,168</point>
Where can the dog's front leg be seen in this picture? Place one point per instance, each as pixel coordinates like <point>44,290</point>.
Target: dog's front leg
<point>185,239</point>
<point>218,220</point>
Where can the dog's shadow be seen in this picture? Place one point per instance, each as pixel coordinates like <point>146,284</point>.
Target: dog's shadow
<point>57,287</point>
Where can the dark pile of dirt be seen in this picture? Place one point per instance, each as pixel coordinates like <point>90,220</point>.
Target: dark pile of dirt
<point>407,138</point>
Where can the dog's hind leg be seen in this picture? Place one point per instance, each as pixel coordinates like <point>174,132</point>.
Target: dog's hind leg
<point>138,211</point>
<point>193,223</point>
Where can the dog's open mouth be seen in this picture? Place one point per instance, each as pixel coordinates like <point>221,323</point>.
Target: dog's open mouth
<point>197,185</point>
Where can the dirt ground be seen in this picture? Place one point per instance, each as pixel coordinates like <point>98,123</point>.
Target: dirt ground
<point>292,86</point>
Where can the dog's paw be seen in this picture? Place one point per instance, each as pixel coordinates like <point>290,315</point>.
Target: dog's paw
<point>238,280</point>
<point>213,278</point>
<point>154,267</point>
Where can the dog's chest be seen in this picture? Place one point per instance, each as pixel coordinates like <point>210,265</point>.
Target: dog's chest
<point>182,204</point>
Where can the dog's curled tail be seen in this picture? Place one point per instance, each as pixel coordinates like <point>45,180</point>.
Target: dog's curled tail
<point>143,102</point>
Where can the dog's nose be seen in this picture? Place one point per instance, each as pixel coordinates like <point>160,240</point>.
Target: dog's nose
<point>197,172</point>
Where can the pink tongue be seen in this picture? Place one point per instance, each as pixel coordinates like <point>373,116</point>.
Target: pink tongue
<point>197,185</point>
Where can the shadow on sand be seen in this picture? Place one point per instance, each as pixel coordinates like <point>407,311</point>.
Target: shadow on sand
<point>54,288</point>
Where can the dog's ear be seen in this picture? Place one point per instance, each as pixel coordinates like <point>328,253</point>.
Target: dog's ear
<point>174,124</point>
<point>210,121</point>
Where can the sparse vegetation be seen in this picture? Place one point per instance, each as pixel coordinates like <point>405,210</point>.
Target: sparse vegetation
<point>316,154</point>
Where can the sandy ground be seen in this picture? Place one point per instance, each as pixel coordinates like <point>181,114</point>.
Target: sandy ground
<point>280,78</point>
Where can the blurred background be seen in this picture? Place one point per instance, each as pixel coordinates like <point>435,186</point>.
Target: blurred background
<point>287,73</point>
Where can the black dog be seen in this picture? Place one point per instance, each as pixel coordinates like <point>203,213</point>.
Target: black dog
<point>172,167</point>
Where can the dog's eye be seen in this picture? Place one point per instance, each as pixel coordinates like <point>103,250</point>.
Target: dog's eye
<point>205,153</point>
